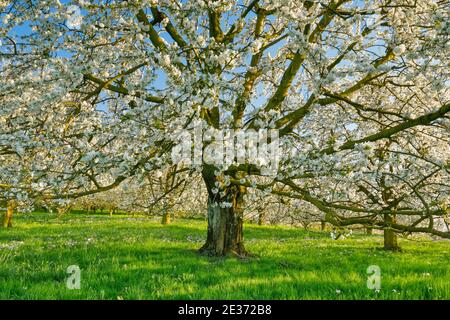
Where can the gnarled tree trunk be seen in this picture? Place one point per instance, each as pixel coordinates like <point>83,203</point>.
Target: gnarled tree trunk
<point>7,218</point>
<point>225,224</point>
<point>390,237</point>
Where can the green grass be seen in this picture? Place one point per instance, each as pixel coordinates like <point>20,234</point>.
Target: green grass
<point>137,258</point>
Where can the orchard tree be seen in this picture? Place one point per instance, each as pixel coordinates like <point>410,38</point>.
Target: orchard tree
<point>160,191</point>
<point>356,90</point>
<point>15,185</point>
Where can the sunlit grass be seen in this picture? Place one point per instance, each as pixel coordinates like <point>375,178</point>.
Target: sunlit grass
<point>137,258</point>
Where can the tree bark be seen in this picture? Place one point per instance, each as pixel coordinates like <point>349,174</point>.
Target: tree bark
<point>166,217</point>
<point>260,218</point>
<point>322,225</point>
<point>225,224</point>
<point>390,237</point>
<point>7,218</point>
<point>369,230</point>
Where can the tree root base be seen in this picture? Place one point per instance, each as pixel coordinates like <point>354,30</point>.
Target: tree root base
<point>239,253</point>
<point>393,249</point>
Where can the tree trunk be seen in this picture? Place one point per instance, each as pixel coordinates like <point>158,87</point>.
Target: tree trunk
<point>7,219</point>
<point>369,230</point>
<point>166,217</point>
<point>261,219</point>
<point>390,237</point>
<point>166,211</point>
<point>225,224</point>
<point>111,210</point>
<point>322,225</point>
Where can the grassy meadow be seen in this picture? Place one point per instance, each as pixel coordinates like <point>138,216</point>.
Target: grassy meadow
<point>138,258</point>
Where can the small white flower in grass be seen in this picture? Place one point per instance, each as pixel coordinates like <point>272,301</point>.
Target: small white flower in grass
<point>338,291</point>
